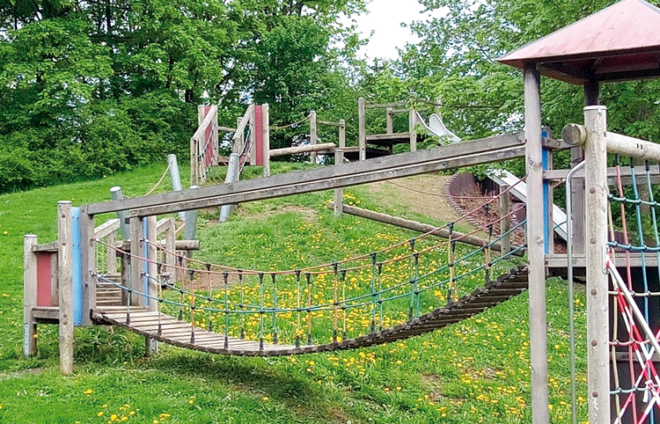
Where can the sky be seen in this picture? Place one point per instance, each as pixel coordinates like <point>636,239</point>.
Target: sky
<point>384,18</point>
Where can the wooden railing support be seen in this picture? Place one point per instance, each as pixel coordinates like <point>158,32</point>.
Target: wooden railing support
<point>362,129</point>
<point>29,295</point>
<point>339,192</point>
<point>65,256</point>
<point>313,135</point>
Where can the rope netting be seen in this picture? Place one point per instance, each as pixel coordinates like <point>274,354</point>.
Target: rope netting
<point>634,265</point>
<point>324,303</point>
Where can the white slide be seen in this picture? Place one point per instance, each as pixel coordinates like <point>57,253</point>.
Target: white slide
<point>519,190</point>
<point>437,128</point>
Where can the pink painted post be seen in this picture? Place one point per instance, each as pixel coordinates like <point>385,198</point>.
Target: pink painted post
<point>209,152</point>
<point>259,135</point>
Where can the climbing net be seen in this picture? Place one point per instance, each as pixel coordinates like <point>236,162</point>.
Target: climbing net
<point>634,266</point>
<point>332,302</point>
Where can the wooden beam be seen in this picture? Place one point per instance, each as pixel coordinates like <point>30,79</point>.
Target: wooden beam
<point>29,295</point>
<point>300,187</point>
<point>362,129</point>
<point>331,124</point>
<point>598,364</point>
<point>106,228</point>
<point>178,245</point>
<point>412,122</point>
<point>302,149</point>
<point>392,136</point>
<point>487,146</point>
<point>88,265</point>
<point>536,248</point>
<point>419,227</point>
<point>265,128</point>
<point>47,247</point>
<point>65,238</point>
<point>339,192</point>
<point>342,134</point>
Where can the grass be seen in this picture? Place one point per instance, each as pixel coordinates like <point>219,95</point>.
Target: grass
<point>475,371</point>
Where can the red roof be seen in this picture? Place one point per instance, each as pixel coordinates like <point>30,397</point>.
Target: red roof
<point>621,42</point>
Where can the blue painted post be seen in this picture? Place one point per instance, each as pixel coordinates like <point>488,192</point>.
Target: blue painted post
<point>76,265</point>
<point>548,224</point>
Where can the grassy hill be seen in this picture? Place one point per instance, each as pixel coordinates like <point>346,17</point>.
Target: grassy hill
<point>476,371</point>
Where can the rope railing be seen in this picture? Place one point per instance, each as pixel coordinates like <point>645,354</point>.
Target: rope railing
<point>634,238</point>
<point>321,305</point>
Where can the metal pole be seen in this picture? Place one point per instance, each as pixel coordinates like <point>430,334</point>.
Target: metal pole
<point>116,194</point>
<point>569,256</point>
<point>176,180</point>
<point>595,118</point>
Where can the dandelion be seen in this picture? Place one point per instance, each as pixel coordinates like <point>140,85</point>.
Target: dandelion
<point>266,398</point>
<point>100,414</point>
<point>88,392</point>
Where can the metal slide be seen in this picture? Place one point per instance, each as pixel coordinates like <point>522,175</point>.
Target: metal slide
<point>503,177</point>
<point>437,128</point>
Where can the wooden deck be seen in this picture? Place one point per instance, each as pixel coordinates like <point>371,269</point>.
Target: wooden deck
<point>167,329</point>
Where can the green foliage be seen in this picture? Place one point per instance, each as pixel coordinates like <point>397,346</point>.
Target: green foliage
<point>92,88</point>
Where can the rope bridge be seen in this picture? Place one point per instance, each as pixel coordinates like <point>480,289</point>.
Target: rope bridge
<point>635,288</point>
<point>409,288</point>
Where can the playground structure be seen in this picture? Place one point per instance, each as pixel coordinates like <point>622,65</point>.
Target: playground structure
<point>623,385</point>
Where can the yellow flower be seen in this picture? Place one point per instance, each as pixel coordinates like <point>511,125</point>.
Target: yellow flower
<point>100,414</point>
<point>88,392</point>
<point>266,398</point>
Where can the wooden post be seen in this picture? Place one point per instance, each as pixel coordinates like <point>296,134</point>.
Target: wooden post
<point>342,133</point>
<point>362,128</point>
<point>265,114</point>
<point>253,140</point>
<point>125,277</point>
<point>88,265</point>
<point>238,144</point>
<point>597,279</point>
<point>65,239</point>
<point>112,253</point>
<point>117,194</point>
<point>412,122</point>
<point>313,135</point>
<point>390,120</point>
<point>151,345</point>
<point>505,221</point>
<point>216,137</point>
<point>591,98</point>
<point>536,255</point>
<point>137,266</point>
<point>152,267</point>
<point>170,245</point>
<point>29,295</point>
<point>339,192</point>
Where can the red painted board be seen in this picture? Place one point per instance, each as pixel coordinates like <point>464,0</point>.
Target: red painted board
<point>258,135</point>
<point>43,279</point>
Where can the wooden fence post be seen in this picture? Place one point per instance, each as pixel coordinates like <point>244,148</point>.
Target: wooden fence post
<point>598,364</point>
<point>390,120</point>
<point>65,238</point>
<point>505,221</point>
<point>362,129</point>
<point>253,140</point>
<point>29,294</point>
<point>170,246</point>
<point>412,122</point>
<point>112,253</point>
<point>339,192</point>
<point>88,265</point>
<point>342,133</point>
<point>238,144</point>
<point>151,345</point>
<point>265,116</point>
<point>137,266</point>
<point>313,135</point>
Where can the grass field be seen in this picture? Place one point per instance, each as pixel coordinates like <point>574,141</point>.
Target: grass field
<point>476,371</point>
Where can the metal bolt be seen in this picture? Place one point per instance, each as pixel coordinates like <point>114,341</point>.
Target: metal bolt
<point>593,241</point>
<point>594,292</point>
<point>592,190</point>
<point>594,394</point>
<point>594,343</point>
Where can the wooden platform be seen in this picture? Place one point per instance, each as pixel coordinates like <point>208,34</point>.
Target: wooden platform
<point>169,330</point>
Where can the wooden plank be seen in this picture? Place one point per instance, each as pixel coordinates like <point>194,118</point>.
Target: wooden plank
<point>330,124</point>
<point>87,264</point>
<point>342,134</point>
<point>418,226</point>
<point>49,314</point>
<point>153,283</point>
<point>137,265</point>
<point>243,123</point>
<point>54,283</point>
<point>30,282</point>
<point>598,364</point>
<point>302,149</point>
<point>486,145</point>
<point>112,253</point>
<point>307,181</point>
<point>66,286</point>
<point>389,123</point>
<point>536,252</point>
<point>393,136</point>
<point>208,120</point>
<point>624,171</point>
<point>179,245</point>
<point>48,247</point>
<point>107,228</point>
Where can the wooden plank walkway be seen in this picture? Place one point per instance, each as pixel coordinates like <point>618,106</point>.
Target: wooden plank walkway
<point>180,333</point>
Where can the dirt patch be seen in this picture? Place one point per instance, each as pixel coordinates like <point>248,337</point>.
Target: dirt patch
<point>20,374</point>
<point>423,194</point>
